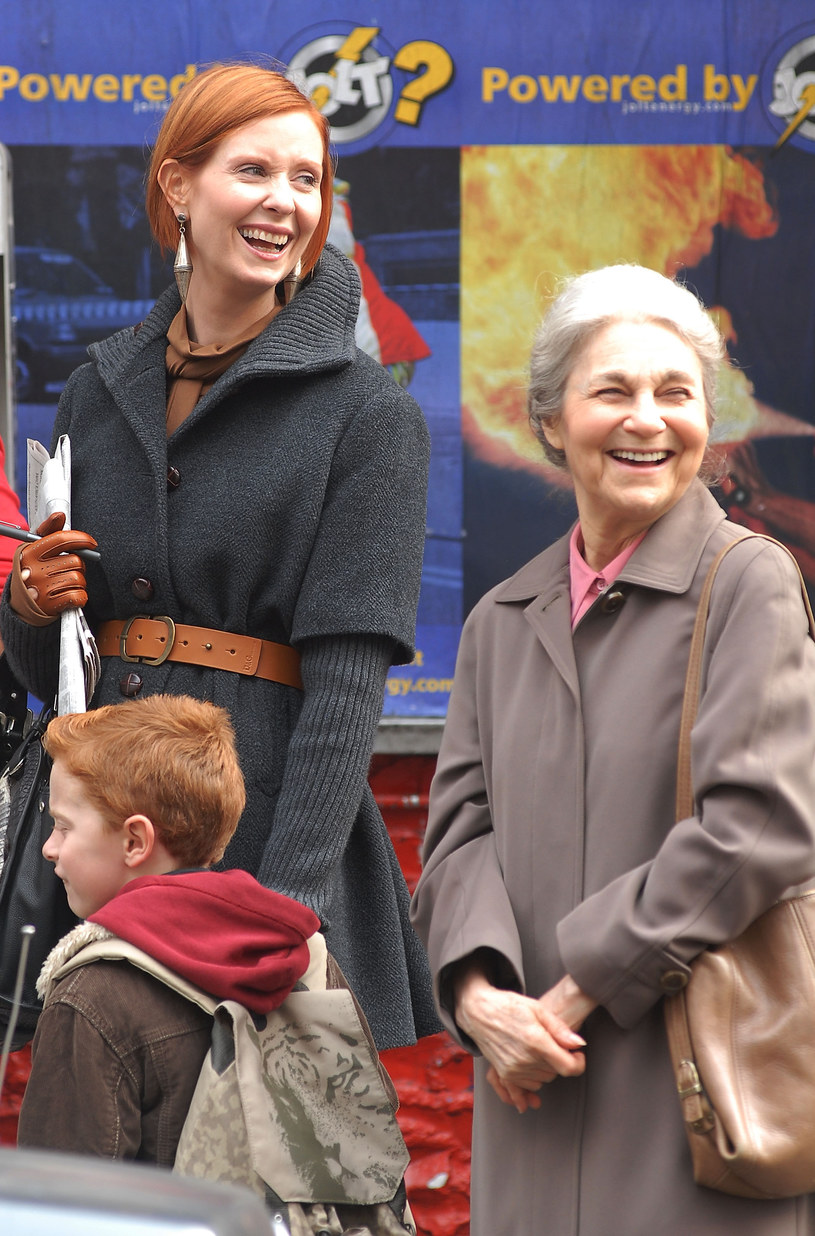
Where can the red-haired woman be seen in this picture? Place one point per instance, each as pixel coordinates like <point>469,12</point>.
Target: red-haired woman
<point>256,486</point>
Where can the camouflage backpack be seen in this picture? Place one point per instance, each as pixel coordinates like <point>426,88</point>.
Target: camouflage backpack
<point>293,1104</point>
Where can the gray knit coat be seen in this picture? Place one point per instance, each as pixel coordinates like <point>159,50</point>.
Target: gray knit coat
<point>290,505</point>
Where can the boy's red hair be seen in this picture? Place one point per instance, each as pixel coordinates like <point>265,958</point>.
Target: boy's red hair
<point>168,757</point>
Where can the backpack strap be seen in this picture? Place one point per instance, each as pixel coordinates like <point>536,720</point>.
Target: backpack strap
<point>106,947</point>
<point>316,976</point>
<point>114,949</point>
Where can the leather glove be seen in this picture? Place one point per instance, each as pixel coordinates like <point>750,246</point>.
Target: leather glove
<point>52,572</point>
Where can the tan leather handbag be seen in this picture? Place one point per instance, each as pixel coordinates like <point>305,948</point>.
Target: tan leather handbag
<point>742,1033</point>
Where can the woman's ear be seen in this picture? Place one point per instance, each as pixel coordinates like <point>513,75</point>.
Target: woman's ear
<point>139,837</point>
<point>173,184</point>
<point>552,434</point>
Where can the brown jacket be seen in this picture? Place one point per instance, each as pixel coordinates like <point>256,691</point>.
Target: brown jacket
<point>551,840</point>
<point>115,1061</point>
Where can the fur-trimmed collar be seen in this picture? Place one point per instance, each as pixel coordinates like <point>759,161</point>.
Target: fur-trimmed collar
<point>80,937</point>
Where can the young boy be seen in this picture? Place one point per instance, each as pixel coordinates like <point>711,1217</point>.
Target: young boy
<point>145,796</point>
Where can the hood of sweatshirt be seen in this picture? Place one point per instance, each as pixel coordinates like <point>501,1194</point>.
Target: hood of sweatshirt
<point>221,930</point>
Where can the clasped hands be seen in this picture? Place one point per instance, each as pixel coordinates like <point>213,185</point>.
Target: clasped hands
<point>527,1042</point>
<point>53,574</point>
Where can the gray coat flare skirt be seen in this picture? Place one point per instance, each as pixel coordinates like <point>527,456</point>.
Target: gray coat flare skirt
<point>290,505</point>
<point>552,841</point>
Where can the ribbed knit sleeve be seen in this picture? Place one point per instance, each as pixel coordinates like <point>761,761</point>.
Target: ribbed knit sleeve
<point>32,652</point>
<point>327,765</point>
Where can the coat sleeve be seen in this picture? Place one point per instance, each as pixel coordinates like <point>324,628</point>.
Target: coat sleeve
<point>326,765</point>
<point>80,1098</point>
<point>753,834</point>
<point>365,566</point>
<point>355,615</point>
<point>460,861</point>
<point>10,514</point>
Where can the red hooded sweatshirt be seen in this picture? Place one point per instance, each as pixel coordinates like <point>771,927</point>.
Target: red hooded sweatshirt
<point>221,930</point>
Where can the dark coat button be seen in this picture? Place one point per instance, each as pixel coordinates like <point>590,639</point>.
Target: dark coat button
<point>142,589</point>
<point>173,477</point>
<point>672,981</point>
<point>612,600</point>
<point>131,685</point>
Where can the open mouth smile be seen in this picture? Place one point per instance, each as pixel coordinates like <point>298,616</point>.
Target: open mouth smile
<point>264,241</point>
<point>641,457</point>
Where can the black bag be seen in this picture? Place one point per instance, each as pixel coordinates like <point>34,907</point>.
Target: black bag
<point>29,890</point>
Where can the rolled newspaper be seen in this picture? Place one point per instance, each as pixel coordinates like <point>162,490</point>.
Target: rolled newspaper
<point>49,491</point>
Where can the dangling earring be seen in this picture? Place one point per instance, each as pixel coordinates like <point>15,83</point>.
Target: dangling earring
<point>291,284</point>
<point>182,266</point>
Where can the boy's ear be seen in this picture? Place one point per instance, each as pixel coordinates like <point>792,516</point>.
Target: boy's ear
<point>139,837</point>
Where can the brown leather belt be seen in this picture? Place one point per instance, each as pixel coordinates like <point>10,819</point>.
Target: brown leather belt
<point>153,640</point>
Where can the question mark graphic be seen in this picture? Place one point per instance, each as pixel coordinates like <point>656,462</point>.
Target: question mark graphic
<point>438,66</point>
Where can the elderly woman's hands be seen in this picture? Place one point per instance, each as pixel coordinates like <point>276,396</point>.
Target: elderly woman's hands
<point>526,1042</point>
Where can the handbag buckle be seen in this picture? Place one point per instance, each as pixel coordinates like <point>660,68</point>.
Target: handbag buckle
<point>688,1072</point>
<point>695,1107</point>
<point>143,660</point>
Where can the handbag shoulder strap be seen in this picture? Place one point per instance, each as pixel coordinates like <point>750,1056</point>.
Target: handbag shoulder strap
<point>690,703</point>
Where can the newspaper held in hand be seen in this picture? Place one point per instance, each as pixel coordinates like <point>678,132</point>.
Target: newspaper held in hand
<point>49,491</point>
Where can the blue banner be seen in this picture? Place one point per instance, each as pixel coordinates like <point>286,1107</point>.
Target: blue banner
<point>407,74</point>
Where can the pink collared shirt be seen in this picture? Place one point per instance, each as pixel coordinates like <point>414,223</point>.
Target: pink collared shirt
<point>586,584</point>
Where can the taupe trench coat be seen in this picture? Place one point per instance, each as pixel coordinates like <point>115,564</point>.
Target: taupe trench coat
<point>552,841</point>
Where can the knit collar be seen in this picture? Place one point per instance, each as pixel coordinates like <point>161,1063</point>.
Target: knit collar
<point>314,333</point>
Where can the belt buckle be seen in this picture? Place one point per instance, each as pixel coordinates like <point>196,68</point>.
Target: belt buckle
<point>162,657</point>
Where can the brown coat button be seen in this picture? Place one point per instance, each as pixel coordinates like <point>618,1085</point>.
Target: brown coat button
<point>142,589</point>
<point>131,685</point>
<point>612,600</point>
<point>672,981</point>
<point>173,477</point>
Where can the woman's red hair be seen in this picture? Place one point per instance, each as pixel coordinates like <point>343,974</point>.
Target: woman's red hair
<point>217,101</point>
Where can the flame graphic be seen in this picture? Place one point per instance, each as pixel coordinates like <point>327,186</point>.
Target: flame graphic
<point>532,215</point>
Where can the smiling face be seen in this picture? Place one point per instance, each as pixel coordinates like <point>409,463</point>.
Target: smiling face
<point>634,430</point>
<point>88,854</point>
<point>252,208</point>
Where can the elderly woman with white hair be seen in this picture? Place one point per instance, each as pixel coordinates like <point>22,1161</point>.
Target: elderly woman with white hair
<point>560,899</point>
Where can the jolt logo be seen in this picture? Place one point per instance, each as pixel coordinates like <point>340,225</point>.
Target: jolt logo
<point>793,88</point>
<point>349,78</point>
